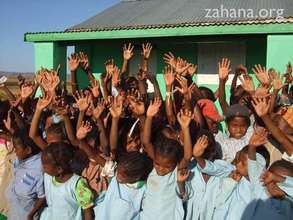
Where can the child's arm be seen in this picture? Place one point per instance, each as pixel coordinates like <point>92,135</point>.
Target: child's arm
<point>81,134</point>
<point>198,150</point>
<point>256,164</point>
<point>261,107</point>
<point>153,109</point>
<point>224,69</point>
<point>184,118</point>
<point>146,51</point>
<point>169,77</point>
<point>39,205</point>
<point>116,111</point>
<point>82,103</point>
<point>127,54</point>
<point>182,176</point>
<point>43,102</point>
<point>88,214</point>
<point>84,64</point>
<point>73,62</point>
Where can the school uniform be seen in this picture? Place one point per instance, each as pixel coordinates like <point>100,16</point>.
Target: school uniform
<point>66,200</point>
<point>26,187</point>
<point>161,201</point>
<point>230,146</point>
<point>120,201</point>
<point>264,206</point>
<point>287,186</point>
<point>233,197</point>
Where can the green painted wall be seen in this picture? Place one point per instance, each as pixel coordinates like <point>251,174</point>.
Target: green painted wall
<point>279,51</point>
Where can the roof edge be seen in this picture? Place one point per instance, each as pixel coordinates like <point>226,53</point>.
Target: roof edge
<point>165,31</point>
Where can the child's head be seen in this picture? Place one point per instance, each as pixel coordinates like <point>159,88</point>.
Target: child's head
<point>211,114</point>
<point>55,133</point>
<point>132,167</point>
<point>238,121</point>
<point>207,93</point>
<point>279,168</point>
<point>57,158</point>
<point>168,152</point>
<point>23,145</point>
<point>241,159</point>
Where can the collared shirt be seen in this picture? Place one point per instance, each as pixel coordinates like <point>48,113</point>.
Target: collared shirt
<point>230,146</point>
<point>26,186</point>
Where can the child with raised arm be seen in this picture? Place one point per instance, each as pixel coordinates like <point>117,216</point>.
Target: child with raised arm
<point>68,195</point>
<point>235,191</point>
<point>160,199</point>
<point>123,198</point>
<point>273,188</point>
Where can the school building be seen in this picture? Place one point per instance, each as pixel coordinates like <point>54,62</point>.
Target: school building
<point>201,31</point>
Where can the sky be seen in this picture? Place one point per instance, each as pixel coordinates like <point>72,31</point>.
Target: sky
<point>20,16</point>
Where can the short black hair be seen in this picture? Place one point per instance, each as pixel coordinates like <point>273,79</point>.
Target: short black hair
<point>169,148</point>
<point>262,150</point>
<point>283,164</point>
<point>247,119</point>
<point>137,165</point>
<point>61,154</point>
<point>207,93</point>
<point>22,137</point>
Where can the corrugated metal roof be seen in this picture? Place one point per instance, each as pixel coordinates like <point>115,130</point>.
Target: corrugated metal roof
<point>138,14</point>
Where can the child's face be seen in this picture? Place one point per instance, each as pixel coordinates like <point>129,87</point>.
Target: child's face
<point>272,187</point>
<point>237,127</point>
<point>164,165</point>
<point>48,167</point>
<point>21,153</point>
<point>241,164</point>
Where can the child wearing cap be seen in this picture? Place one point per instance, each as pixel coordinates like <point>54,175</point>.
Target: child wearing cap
<point>239,131</point>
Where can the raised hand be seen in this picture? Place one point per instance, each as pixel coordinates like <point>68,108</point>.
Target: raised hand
<point>44,101</point>
<point>95,88</point>
<point>182,66</point>
<point>184,118</point>
<point>259,137</point>
<point>261,74</point>
<point>83,130</point>
<point>288,74</point>
<point>169,75</point>
<point>83,61</point>
<point>261,92</point>
<point>82,101</point>
<point>224,69</point>
<point>247,83</point>
<point>26,90</point>
<point>116,107</point>
<point>182,175</point>
<point>154,107</point>
<point>73,62</point>
<point>146,50</point>
<point>116,76</point>
<point>277,81</point>
<point>241,69</point>
<point>99,109</point>
<point>261,105</point>
<point>200,146</point>
<point>128,51</point>
<point>170,59</point>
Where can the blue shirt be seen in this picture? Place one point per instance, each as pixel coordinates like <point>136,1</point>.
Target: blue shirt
<point>26,187</point>
<point>161,201</point>
<point>119,202</point>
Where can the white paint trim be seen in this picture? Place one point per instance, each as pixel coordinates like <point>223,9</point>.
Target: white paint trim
<point>213,79</point>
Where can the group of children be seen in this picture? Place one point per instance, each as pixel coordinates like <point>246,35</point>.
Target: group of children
<point>114,151</point>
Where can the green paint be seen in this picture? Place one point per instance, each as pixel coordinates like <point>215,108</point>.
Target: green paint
<point>256,50</point>
<point>162,32</point>
<point>279,51</point>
